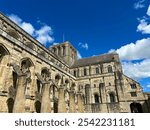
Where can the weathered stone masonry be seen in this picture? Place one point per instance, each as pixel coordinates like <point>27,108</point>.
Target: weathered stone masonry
<point>36,79</point>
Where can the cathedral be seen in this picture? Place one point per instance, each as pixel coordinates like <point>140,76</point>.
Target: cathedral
<point>36,79</point>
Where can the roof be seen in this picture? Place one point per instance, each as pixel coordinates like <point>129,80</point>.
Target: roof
<point>94,60</point>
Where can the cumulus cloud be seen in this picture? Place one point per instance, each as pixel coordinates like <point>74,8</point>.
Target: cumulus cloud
<point>79,55</point>
<point>139,4</point>
<point>148,86</point>
<point>135,56</point>
<point>24,25</point>
<point>129,53</point>
<point>138,70</point>
<point>134,51</point>
<point>83,45</point>
<point>144,25</point>
<point>148,11</point>
<point>43,35</point>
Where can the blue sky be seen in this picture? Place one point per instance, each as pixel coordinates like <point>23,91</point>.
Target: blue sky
<point>93,27</point>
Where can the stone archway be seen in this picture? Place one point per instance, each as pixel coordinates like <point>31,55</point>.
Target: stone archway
<point>10,105</point>
<point>136,108</point>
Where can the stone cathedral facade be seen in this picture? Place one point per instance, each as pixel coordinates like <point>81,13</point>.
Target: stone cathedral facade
<point>36,79</point>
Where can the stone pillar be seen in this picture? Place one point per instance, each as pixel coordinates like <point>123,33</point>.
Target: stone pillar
<point>80,103</point>
<point>19,104</point>
<point>46,102</point>
<point>61,51</point>
<point>56,51</point>
<point>4,72</point>
<point>61,101</point>
<point>72,102</point>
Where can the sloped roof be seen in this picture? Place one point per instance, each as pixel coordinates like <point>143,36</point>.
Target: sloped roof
<point>94,60</point>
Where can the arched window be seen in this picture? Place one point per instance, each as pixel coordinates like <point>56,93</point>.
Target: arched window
<point>110,69</point>
<point>30,45</point>
<point>96,98</point>
<point>38,106</point>
<point>10,104</point>
<point>85,72</point>
<point>38,86</point>
<point>26,65</point>
<point>45,74</point>
<point>54,50</point>
<point>57,78</point>
<point>55,107</point>
<point>59,51</point>
<point>63,47</point>
<point>97,70</point>
<point>15,77</point>
<point>112,97</point>
<point>87,93</point>
<point>13,33</point>
<point>75,73</point>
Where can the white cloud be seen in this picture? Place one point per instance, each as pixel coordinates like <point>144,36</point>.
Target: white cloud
<point>140,51</point>
<point>139,4</point>
<point>143,27</point>
<point>137,70</point>
<point>134,51</point>
<point>83,45</point>
<point>148,86</point>
<point>79,55</point>
<point>28,28</point>
<point>55,43</point>
<point>24,25</point>
<point>15,18</point>
<point>43,34</point>
<point>148,11</point>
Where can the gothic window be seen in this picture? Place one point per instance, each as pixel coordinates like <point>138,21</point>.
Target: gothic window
<point>55,50</point>
<point>38,86</point>
<point>133,94</point>
<point>74,73</point>
<point>97,70</point>
<point>110,69</point>
<point>96,97</point>
<point>57,78</point>
<point>10,104</point>
<point>14,80</point>
<point>38,106</point>
<point>30,45</point>
<point>42,53</point>
<point>59,51</point>
<point>87,93</point>
<point>112,97</point>
<point>45,74</point>
<point>133,86</point>
<point>13,33</point>
<point>55,107</point>
<point>85,72</point>
<point>63,47</point>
